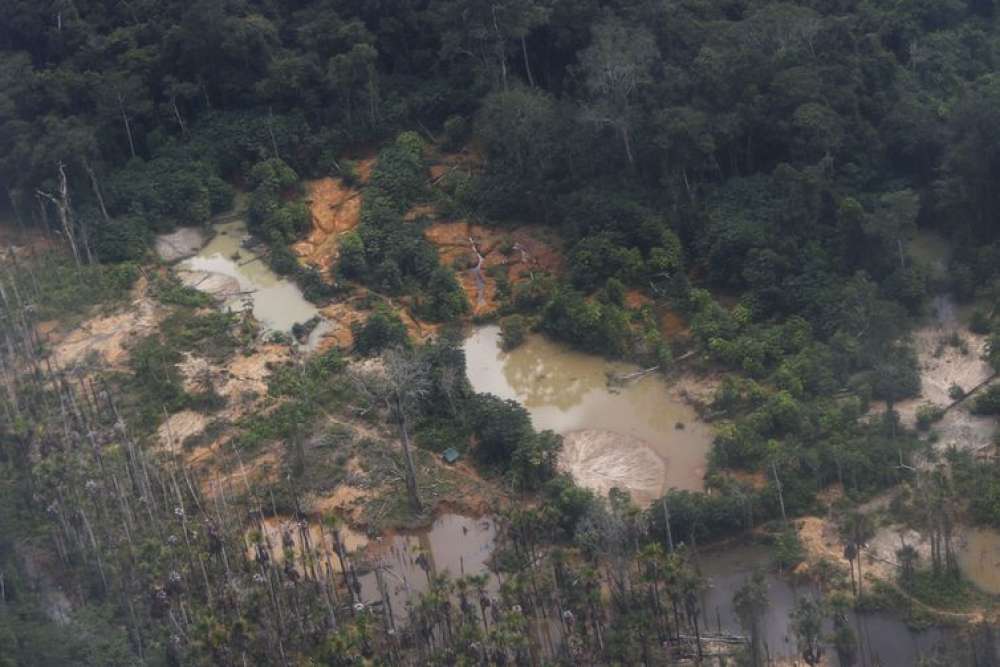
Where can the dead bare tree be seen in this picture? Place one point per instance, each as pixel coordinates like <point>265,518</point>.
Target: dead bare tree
<point>65,210</point>
<point>399,387</point>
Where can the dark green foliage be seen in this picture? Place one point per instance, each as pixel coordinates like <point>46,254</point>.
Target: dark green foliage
<point>943,590</point>
<point>513,331</point>
<point>270,215</point>
<point>353,264</point>
<point>388,254</point>
<point>927,415</point>
<point>897,375</point>
<point>597,327</point>
<point>506,439</point>
<point>701,516</point>
<point>987,402</point>
<point>302,394</point>
<point>67,290</point>
<point>168,191</point>
<point>209,334</point>
<point>155,380</point>
<point>787,549</point>
<point>123,239</point>
<point>382,330</point>
<point>445,299</point>
<point>399,172</point>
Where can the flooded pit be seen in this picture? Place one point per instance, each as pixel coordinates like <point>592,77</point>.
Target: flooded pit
<point>236,274</point>
<point>454,544</point>
<point>883,639</point>
<point>979,559</point>
<point>639,436</point>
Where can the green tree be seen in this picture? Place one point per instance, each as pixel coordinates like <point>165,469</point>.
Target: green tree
<point>807,619</point>
<point>615,66</point>
<point>750,602</point>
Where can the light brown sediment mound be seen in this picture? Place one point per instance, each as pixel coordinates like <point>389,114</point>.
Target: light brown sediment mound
<point>108,336</point>
<point>344,315</point>
<point>363,168</point>
<point>180,426</point>
<point>346,502</point>
<point>180,244</point>
<point>242,380</point>
<point>821,540</point>
<point>601,460</point>
<point>217,285</point>
<point>942,363</point>
<point>420,211</point>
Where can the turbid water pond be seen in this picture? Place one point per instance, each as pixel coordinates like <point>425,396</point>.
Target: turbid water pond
<point>237,275</point>
<point>979,559</point>
<point>454,544</point>
<point>640,436</point>
<point>277,303</point>
<point>883,639</point>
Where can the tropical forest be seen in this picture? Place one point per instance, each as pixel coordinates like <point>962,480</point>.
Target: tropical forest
<point>516,333</point>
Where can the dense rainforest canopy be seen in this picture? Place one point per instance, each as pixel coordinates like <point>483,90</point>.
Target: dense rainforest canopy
<point>761,167</point>
<point>772,148</point>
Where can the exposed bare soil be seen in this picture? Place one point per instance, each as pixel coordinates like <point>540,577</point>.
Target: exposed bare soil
<point>182,243</point>
<point>602,460</point>
<point>104,339</point>
<point>530,250</point>
<point>336,209</point>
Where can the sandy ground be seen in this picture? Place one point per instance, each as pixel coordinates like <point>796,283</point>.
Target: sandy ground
<point>601,460</point>
<point>943,364</point>
<point>219,286</point>
<point>346,313</point>
<point>183,243</point>
<point>821,540</point>
<point>105,338</point>
<point>696,389</point>
<point>178,427</point>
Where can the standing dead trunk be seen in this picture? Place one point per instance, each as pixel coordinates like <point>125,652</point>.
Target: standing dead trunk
<point>500,50</point>
<point>628,145</point>
<point>411,469</point>
<point>666,522</point>
<point>96,187</point>
<point>527,64</point>
<point>781,497</point>
<point>270,131</point>
<point>128,124</point>
<point>178,116</point>
<point>65,210</point>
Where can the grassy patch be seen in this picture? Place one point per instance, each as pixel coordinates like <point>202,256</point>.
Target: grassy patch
<point>942,591</point>
<point>65,290</point>
<point>209,334</point>
<point>171,291</point>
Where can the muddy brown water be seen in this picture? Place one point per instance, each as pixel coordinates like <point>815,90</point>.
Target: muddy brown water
<point>883,639</point>
<point>454,544</point>
<point>639,436</point>
<point>278,303</point>
<point>979,559</point>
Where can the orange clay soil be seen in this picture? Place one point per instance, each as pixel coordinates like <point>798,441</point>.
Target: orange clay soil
<point>336,209</point>
<point>529,253</point>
